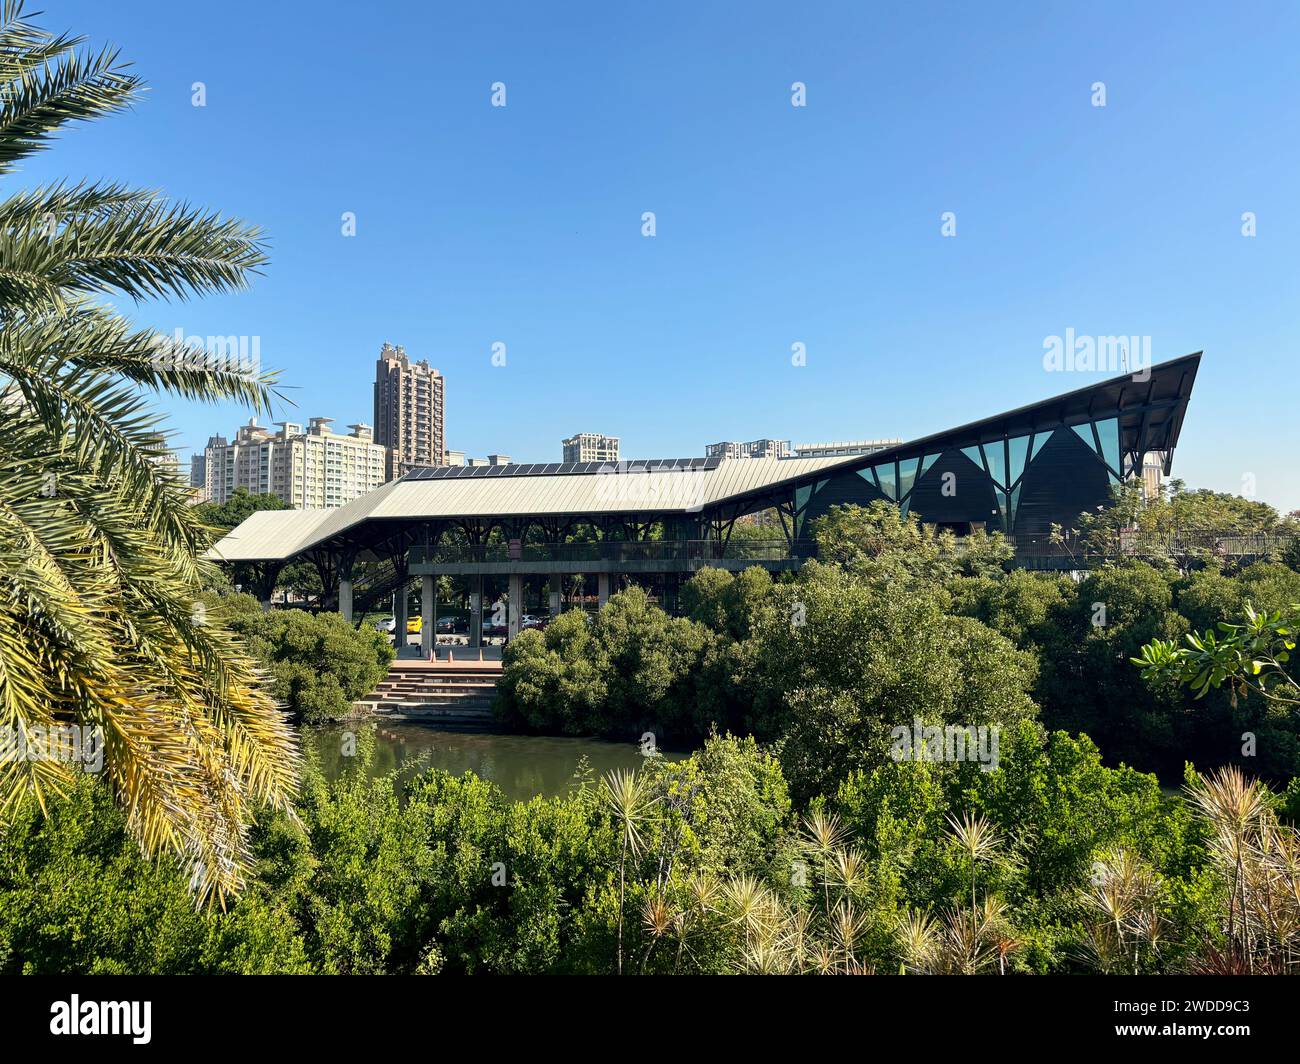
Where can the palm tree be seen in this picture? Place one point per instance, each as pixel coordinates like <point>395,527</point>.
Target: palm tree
<point>100,555</point>
<point>628,797</point>
<point>979,841</point>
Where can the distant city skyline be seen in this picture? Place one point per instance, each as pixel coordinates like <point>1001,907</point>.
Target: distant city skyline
<point>901,253</point>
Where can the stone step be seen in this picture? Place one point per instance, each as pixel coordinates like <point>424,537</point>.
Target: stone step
<point>434,692</point>
<point>430,696</point>
<point>429,676</point>
<point>440,688</point>
<point>444,687</point>
<point>427,669</point>
<point>439,713</point>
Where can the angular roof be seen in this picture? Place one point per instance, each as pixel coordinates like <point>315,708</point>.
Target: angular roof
<point>267,535</point>
<point>1149,407</point>
<point>275,534</point>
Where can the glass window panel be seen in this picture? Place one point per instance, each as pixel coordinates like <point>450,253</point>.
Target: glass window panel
<point>1039,439</point>
<point>1015,502</point>
<point>1019,448</point>
<point>1108,432</point>
<point>869,476</point>
<point>801,497</point>
<point>1085,434</point>
<point>926,463</point>
<point>907,468</point>
<point>973,453</point>
<point>996,462</point>
<point>888,482</point>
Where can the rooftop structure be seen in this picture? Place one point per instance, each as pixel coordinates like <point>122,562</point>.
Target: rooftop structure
<point>1019,472</point>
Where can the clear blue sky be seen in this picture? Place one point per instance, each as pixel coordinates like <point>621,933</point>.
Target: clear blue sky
<point>776,224</point>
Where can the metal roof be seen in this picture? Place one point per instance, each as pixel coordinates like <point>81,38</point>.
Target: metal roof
<point>275,534</point>
<point>1150,410</point>
<point>265,535</point>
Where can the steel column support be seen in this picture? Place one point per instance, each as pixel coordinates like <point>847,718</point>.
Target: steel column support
<point>428,613</point>
<point>515,604</point>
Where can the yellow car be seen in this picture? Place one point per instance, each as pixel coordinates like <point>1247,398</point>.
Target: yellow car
<point>414,626</point>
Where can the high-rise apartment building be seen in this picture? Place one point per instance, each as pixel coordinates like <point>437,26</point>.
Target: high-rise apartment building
<point>590,447</point>
<point>311,469</point>
<point>409,417</point>
<point>1153,474</point>
<point>199,474</point>
<point>752,449</point>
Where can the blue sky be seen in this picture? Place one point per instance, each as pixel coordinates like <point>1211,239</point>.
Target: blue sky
<point>776,225</point>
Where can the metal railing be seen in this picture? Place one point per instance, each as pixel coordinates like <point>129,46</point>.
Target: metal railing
<point>666,550</point>
<point>1039,551</point>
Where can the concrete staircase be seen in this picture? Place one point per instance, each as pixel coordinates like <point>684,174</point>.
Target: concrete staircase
<point>437,692</point>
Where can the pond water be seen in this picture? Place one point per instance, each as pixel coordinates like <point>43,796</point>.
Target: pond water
<point>523,766</point>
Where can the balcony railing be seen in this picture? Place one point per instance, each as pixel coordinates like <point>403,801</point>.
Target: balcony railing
<point>693,550</point>
<point>1039,551</point>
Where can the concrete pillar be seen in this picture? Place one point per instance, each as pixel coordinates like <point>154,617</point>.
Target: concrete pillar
<point>427,614</point>
<point>602,588</point>
<point>345,599</point>
<point>476,612</point>
<point>515,605</point>
<point>555,597</point>
<point>399,614</point>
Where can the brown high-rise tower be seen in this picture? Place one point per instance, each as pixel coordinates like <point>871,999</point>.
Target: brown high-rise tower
<point>408,411</point>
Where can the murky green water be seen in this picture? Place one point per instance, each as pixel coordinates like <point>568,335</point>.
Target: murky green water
<point>523,766</point>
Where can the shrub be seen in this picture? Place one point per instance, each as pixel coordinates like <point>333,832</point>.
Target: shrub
<point>318,664</point>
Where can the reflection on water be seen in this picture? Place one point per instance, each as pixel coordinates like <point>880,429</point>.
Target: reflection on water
<point>523,766</point>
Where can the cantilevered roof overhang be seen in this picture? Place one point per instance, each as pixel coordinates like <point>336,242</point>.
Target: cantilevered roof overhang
<point>1149,406</point>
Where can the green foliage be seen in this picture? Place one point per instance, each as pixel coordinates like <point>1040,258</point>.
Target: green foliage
<point>77,896</point>
<point>920,865</point>
<point>1253,656</point>
<point>731,605</point>
<point>318,664</point>
<point>1290,556</point>
<point>881,541</point>
<point>840,665</point>
<point>237,509</point>
<point>1178,526</point>
<point>1022,605</point>
<point>630,669</point>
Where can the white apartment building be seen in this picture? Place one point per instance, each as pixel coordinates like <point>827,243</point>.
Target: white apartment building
<point>590,447</point>
<point>752,449</point>
<point>313,469</point>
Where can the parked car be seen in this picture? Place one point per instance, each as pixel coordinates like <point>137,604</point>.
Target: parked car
<point>529,620</point>
<point>388,624</point>
<point>415,626</point>
<point>448,625</point>
<point>491,629</point>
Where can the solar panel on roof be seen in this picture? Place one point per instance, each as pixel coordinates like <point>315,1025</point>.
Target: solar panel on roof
<point>541,469</point>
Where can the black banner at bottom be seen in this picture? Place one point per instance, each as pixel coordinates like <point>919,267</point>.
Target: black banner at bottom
<point>140,1014</point>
